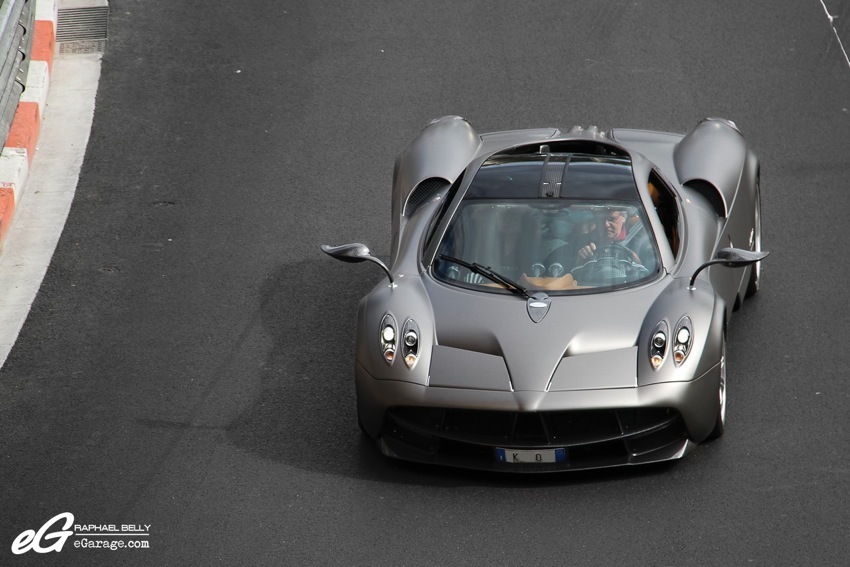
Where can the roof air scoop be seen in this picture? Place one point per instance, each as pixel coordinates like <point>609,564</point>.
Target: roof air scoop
<point>592,132</point>
<point>551,179</point>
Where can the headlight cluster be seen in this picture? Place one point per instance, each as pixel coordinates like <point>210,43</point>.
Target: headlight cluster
<point>389,338</point>
<point>683,342</point>
<point>409,340</point>
<point>683,339</point>
<point>658,345</point>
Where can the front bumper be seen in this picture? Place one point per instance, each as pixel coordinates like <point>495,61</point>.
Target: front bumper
<point>596,428</point>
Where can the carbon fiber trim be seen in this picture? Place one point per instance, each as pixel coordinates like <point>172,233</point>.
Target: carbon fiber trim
<point>592,438</point>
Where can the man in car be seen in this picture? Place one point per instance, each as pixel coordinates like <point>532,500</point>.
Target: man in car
<point>613,232</point>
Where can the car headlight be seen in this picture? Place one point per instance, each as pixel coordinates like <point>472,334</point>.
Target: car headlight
<point>410,343</point>
<point>683,340</point>
<point>658,345</point>
<point>389,338</point>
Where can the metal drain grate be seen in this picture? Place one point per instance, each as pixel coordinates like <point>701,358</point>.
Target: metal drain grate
<point>81,26</point>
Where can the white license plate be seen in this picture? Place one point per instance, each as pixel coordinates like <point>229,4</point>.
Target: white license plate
<point>531,455</point>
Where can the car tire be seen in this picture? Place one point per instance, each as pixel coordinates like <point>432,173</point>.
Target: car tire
<point>360,425</point>
<point>720,421</point>
<point>755,273</point>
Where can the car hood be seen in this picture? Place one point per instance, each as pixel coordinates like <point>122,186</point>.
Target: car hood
<point>488,340</point>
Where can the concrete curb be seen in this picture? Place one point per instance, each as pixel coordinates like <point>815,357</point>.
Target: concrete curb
<point>21,143</point>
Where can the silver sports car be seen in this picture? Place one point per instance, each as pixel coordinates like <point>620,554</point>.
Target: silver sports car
<point>557,300</point>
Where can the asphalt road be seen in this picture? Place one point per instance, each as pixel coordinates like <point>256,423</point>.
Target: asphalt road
<point>187,364</point>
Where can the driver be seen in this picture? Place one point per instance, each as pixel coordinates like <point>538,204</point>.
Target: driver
<point>613,232</point>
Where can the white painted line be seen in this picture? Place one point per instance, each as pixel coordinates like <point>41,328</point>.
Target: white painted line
<point>50,186</point>
<point>835,31</point>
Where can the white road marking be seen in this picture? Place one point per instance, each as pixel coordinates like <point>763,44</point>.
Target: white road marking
<point>40,216</point>
<point>831,20</point>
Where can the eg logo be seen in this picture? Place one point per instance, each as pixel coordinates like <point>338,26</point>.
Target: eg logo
<point>31,539</point>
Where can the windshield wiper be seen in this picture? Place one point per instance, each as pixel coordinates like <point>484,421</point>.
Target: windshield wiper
<point>488,273</point>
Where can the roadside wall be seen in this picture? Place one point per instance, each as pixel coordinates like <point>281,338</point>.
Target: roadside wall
<point>27,43</point>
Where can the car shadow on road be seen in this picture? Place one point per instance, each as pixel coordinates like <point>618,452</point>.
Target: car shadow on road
<point>304,415</point>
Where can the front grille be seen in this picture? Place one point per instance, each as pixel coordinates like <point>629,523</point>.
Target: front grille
<point>605,437</point>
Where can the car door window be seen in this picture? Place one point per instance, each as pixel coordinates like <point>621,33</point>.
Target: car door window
<point>666,208</point>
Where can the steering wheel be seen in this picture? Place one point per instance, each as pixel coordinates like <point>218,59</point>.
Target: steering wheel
<point>610,263</point>
<point>616,251</point>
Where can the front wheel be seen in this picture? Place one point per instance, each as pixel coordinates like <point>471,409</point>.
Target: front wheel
<point>360,424</point>
<point>755,274</point>
<point>720,422</point>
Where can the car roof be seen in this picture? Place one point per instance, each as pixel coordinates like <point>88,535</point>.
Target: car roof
<point>582,154</point>
<point>547,175</point>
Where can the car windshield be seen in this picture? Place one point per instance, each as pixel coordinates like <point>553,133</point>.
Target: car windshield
<point>560,224</point>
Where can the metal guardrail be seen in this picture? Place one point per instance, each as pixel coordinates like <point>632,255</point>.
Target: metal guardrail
<point>16,33</point>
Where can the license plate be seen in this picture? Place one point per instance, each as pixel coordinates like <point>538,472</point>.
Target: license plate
<point>531,455</point>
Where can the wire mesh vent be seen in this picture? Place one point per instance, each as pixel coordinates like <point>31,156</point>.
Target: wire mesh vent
<point>424,191</point>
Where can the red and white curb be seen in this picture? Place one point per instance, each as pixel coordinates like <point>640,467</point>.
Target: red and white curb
<point>20,146</point>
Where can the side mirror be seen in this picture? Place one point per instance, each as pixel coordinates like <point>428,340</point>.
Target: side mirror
<point>355,252</point>
<point>731,258</point>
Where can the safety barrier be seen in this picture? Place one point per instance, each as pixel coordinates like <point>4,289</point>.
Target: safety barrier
<point>27,44</point>
<point>16,32</point>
